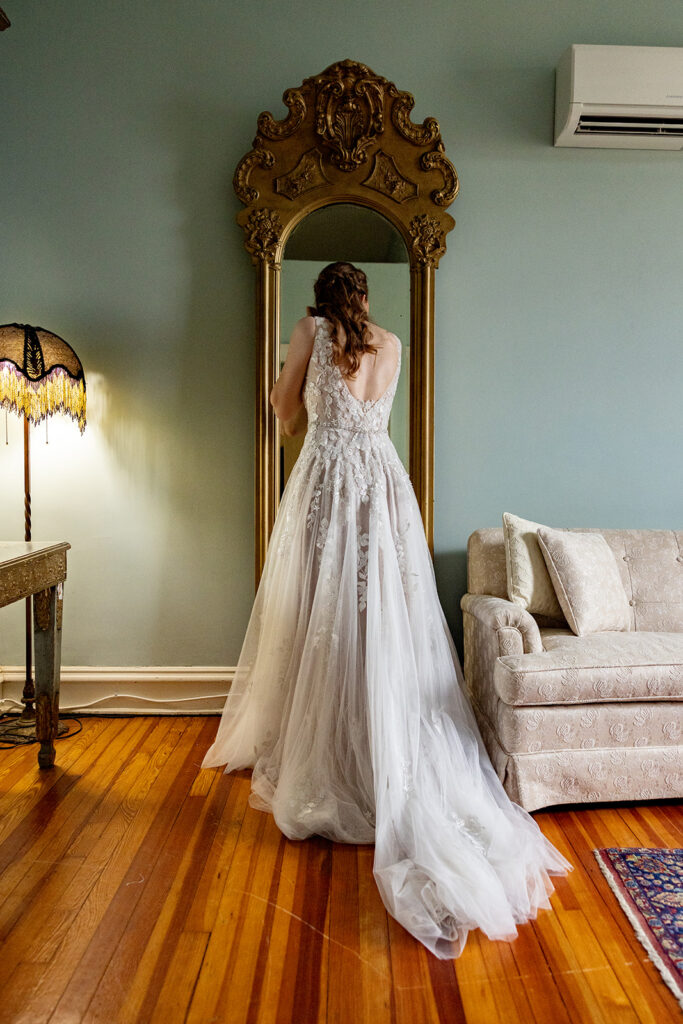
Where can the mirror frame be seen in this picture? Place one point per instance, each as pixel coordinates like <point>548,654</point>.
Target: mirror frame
<point>347,138</point>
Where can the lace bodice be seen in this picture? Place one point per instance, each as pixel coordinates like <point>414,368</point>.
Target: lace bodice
<point>327,398</point>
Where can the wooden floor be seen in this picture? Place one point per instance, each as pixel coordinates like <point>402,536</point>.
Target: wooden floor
<point>135,887</point>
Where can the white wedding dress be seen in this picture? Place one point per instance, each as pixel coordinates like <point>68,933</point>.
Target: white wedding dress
<point>348,702</point>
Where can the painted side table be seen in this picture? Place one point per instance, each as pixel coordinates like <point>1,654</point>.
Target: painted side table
<point>38,570</point>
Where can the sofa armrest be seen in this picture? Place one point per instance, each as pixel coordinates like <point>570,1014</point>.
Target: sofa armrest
<point>494,628</point>
<point>503,618</point>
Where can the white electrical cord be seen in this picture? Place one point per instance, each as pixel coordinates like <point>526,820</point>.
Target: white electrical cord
<point>7,703</point>
<point>132,696</point>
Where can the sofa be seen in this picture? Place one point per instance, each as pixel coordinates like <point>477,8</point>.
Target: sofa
<point>572,718</point>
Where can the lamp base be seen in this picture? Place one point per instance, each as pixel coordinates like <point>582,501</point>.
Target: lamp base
<point>22,730</point>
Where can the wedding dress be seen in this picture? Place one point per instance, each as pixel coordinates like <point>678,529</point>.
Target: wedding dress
<point>347,700</point>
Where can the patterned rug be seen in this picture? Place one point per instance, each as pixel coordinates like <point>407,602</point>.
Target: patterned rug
<point>649,887</point>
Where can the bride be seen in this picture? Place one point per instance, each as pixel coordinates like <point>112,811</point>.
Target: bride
<point>348,696</point>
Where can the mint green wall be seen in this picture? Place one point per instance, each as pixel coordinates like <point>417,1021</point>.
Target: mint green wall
<point>559,311</point>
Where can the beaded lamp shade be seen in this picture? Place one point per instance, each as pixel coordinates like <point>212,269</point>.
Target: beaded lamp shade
<point>40,374</point>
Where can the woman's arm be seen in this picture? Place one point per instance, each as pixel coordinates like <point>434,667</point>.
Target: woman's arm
<point>285,397</point>
<point>297,424</point>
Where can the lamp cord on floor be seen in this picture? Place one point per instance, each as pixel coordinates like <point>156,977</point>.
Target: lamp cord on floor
<point>9,739</point>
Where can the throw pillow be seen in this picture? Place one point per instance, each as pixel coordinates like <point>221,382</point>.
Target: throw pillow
<point>586,580</point>
<point>529,584</point>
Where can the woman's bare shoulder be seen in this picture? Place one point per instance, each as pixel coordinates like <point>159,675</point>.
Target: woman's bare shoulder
<point>307,324</point>
<point>381,336</point>
<point>303,332</point>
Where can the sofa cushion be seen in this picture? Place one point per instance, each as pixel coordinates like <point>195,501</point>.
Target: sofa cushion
<point>528,729</point>
<point>653,560</point>
<point>528,581</point>
<point>599,667</point>
<point>560,777</point>
<point>588,726</point>
<point>650,565</point>
<point>586,579</point>
<point>486,569</point>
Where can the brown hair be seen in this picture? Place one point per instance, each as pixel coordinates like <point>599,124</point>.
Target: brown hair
<point>339,293</point>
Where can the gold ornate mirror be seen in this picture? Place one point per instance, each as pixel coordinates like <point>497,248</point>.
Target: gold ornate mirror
<point>346,143</point>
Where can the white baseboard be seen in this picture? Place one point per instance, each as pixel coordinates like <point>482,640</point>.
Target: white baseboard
<point>147,690</point>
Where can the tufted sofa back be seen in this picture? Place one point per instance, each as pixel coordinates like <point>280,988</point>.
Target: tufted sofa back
<point>650,563</point>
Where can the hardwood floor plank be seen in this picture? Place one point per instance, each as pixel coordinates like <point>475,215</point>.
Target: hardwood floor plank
<point>637,975</point>
<point>16,763</point>
<point>242,982</point>
<point>345,989</point>
<point>413,995</point>
<point>670,816</point>
<point>30,801</point>
<point>138,888</point>
<point>85,951</point>
<point>476,991</point>
<point>268,952</point>
<point>656,830</point>
<point>502,969</point>
<point>202,914</point>
<point>36,784</point>
<point>212,993</point>
<point>613,824</point>
<point>597,970</point>
<point>373,945</point>
<point>577,995</point>
<point>176,992</point>
<point>118,775</point>
<point>102,965</point>
<point>21,760</point>
<point>33,892</point>
<point>14,1001</point>
<point>49,835</point>
<point>15,944</point>
<point>303,992</point>
<point>327,958</point>
<point>132,775</point>
<point>273,967</point>
<point>545,1001</point>
<point>181,867</point>
<point>447,998</point>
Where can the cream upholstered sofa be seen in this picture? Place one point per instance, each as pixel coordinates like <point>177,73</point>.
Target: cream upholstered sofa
<point>569,718</point>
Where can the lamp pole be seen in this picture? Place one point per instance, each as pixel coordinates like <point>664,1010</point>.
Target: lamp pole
<point>28,696</point>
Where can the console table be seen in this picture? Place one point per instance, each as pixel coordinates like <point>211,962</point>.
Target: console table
<point>32,569</point>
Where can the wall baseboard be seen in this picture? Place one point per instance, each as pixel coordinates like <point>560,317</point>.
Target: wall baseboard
<point>147,690</point>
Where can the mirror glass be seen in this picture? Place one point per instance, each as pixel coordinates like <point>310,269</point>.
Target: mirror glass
<point>360,236</point>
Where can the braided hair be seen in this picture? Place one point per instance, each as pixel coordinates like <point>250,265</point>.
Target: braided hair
<point>339,293</point>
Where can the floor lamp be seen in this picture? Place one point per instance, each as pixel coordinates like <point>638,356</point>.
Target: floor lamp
<point>40,375</point>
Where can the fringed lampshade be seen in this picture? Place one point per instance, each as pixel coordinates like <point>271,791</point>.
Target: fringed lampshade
<point>40,374</point>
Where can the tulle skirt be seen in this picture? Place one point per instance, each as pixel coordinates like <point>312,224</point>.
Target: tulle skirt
<point>348,703</point>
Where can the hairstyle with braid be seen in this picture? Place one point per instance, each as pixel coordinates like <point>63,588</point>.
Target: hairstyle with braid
<point>339,293</point>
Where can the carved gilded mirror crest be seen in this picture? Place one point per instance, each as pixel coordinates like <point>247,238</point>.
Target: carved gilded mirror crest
<point>347,138</point>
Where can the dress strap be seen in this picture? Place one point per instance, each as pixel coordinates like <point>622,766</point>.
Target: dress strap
<point>321,338</point>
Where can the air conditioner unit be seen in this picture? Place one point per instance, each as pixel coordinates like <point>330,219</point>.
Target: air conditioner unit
<point>620,97</point>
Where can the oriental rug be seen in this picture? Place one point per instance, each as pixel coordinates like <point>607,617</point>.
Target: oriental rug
<point>649,887</point>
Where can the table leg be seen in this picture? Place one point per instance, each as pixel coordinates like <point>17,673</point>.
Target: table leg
<point>47,633</point>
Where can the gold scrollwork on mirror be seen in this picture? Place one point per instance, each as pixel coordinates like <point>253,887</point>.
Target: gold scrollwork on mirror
<point>347,138</point>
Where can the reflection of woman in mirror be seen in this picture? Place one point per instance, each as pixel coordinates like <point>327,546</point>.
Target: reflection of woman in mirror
<point>341,298</point>
<point>347,699</point>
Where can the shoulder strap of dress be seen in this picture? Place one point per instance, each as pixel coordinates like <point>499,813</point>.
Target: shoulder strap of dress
<point>321,334</point>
